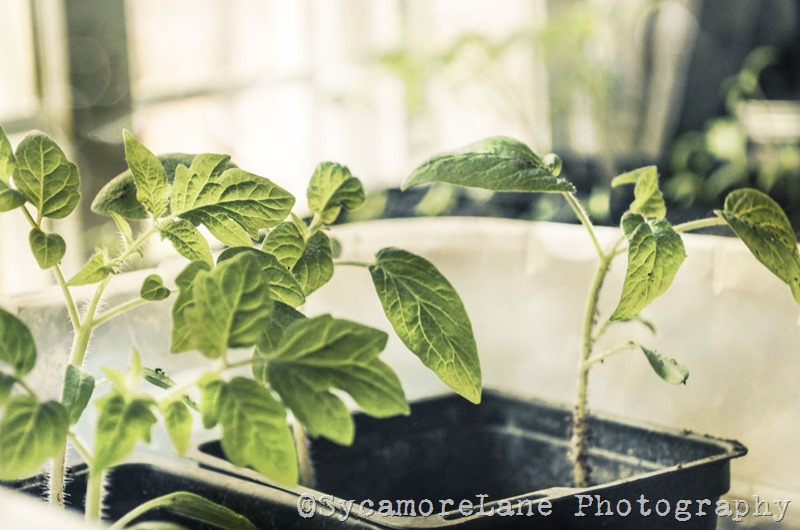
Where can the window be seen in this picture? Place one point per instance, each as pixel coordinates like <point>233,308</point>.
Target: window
<point>374,84</point>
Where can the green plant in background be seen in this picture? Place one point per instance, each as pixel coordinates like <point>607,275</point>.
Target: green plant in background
<point>569,48</point>
<point>654,249</point>
<point>705,165</point>
<point>248,298</point>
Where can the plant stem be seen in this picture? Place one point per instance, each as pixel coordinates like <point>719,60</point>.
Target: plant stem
<point>600,357</point>
<point>122,308</point>
<point>129,517</point>
<point>134,247</point>
<point>55,486</point>
<point>303,454</point>
<point>583,217</point>
<point>81,447</point>
<point>578,445</point>
<point>700,223</point>
<point>94,494</point>
<point>352,263</point>
<point>62,283</point>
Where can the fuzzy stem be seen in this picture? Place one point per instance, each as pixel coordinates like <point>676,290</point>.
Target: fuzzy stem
<point>303,454</point>
<point>600,357</point>
<point>352,263</point>
<point>120,309</point>
<point>80,343</point>
<point>134,247</point>
<point>81,447</point>
<point>143,508</point>
<point>579,442</point>
<point>56,482</point>
<point>62,283</point>
<point>583,217</point>
<point>94,494</point>
<point>700,223</point>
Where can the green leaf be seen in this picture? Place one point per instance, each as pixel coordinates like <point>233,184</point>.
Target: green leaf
<point>763,226</point>
<point>123,227</point>
<point>655,253</point>
<point>78,390</point>
<point>10,198</point>
<point>315,267</point>
<point>498,163</point>
<point>254,428</point>
<point>199,509</point>
<point>286,243</point>
<point>30,433</point>
<point>187,240</point>
<point>211,400</point>
<point>322,354</point>
<point>120,424</point>
<point>233,205</point>
<point>97,269</point>
<point>429,317</point>
<point>157,377</point>
<point>153,288</point>
<point>280,319</point>
<point>7,160</point>
<point>119,194</point>
<point>17,347</point>
<point>182,336</point>
<point>152,188</point>
<point>332,188</point>
<point>178,421</point>
<point>231,305</point>
<point>282,285</point>
<point>648,200</point>
<point>117,378</point>
<point>6,383</point>
<point>667,369</point>
<point>48,249</point>
<point>49,181</point>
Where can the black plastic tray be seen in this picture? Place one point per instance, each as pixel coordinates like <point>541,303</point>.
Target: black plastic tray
<point>132,484</point>
<point>512,449</point>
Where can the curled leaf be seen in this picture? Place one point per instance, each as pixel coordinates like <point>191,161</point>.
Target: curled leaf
<point>763,226</point>
<point>332,188</point>
<point>666,368</point>
<point>153,288</point>
<point>498,163</point>
<point>655,253</point>
<point>648,199</point>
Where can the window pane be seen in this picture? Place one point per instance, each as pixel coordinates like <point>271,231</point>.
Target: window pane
<point>17,72</point>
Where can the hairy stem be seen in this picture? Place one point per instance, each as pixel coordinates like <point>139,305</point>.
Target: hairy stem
<point>120,309</point>
<point>94,494</point>
<point>143,508</point>
<point>56,482</point>
<point>700,223</point>
<point>583,217</point>
<point>579,440</point>
<point>600,357</point>
<point>72,309</point>
<point>81,447</point>
<point>303,454</point>
<point>352,263</point>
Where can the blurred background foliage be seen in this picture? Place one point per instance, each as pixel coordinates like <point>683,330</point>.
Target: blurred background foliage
<point>708,93</point>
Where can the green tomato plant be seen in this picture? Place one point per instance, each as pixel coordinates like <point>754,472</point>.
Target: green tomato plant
<point>654,249</point>
<point>241,308</point>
